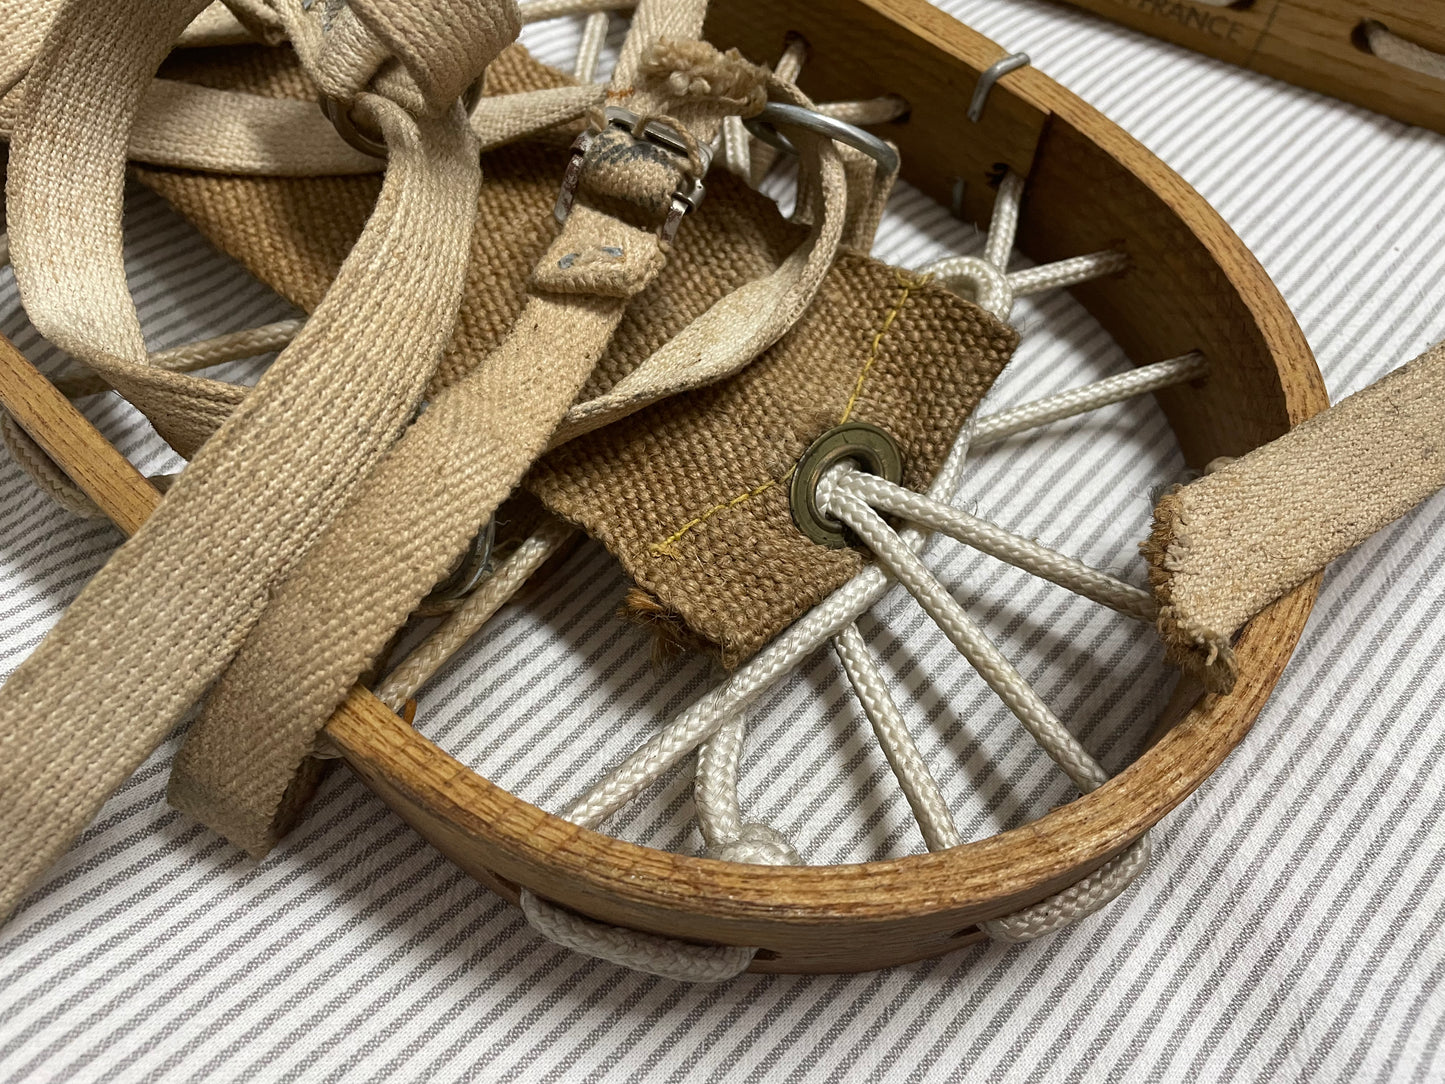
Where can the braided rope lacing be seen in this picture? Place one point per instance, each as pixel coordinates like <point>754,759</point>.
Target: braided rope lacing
<point>1402,52</point>
<point>715,726</point>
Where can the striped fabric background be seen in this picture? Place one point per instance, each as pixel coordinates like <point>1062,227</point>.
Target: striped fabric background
<point>1290,927</point>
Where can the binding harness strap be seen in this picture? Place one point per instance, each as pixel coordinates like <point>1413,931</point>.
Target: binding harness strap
<point>312,523</point>
<point>156,626</point>
<point>245,768</point>
<point>414,517</point>
<point>1227,545</point>
<point>286,457</point>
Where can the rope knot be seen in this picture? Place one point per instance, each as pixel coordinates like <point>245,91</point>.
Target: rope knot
<point>695,71</point>
<point>423,57</point>
<point>758,845</point>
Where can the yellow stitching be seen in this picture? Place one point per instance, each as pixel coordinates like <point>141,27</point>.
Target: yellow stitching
<point>909,285</point>
<point>664,548</point>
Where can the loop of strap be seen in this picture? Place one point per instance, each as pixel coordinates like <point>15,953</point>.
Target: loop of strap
<point>243,760</point>
<point>444,45</point>
<point>424,54</point>
<point>154,628</point>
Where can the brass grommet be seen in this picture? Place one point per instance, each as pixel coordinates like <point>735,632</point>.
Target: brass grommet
<point>369,141</point>
<point>346,127</point>
<point>870,447</point>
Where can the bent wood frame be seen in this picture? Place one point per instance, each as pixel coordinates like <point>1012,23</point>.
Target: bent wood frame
<point>1191,285</point>
<point>1317,44</point>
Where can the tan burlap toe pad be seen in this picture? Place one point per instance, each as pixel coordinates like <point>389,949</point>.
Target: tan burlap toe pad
<point>689,494</point>
<point>692,494</point>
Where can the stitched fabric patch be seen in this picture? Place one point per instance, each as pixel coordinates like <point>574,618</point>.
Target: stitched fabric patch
<point>692,494</point>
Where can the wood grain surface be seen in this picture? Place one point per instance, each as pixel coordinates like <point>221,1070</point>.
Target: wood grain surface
<point>1313,43</point>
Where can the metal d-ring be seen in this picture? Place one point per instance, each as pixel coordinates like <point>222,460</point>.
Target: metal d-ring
<point>991,75</point>
<point>867,445</point>
<point>777,115</point>
<point>471,570</point>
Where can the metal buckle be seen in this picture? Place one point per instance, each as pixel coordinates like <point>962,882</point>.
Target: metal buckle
<point>765,126</point>
<point>474,567</point>
<point>684,201</point>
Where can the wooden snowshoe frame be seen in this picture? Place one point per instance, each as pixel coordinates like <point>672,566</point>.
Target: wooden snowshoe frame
<point>1191,285</point>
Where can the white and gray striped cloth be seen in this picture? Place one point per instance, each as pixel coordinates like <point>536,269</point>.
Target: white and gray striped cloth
<point>1290,927</point>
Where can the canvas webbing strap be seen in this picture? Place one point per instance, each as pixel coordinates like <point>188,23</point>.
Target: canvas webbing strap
<point>164,616</point>
<point>185,125</point>
<point>1227,545</point>
<point>194,127</point>
<point>241,768</point>
<point>409,521</point>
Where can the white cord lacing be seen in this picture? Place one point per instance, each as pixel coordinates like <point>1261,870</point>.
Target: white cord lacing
<point>589,52</point>
<point>661,956</point>
<point>202,354</point>
<point>715,725</point>
<point>1402,52</point>
<point>993,428</point>
<point>848,483</point>
<point>903,564</point>
<point>935,820</point>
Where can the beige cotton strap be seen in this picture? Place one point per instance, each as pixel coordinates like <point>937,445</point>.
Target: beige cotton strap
<point>506,117</point>
<point>186,126</point>
<point>216,25</point>
<point>438,41</point>
<point>189,126</point>
<point>680,75</point>
<point>193,127</point>
<point>1229,544</point>
<point>243,766</point>
<point>64,192</point>
<point>25,23</point>
<point>747,321</point>
<point>158,623</point>
<point>23,26</point>
<point>276,137</point>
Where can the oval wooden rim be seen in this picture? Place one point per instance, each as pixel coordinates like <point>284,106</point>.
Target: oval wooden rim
<point>1192,285</point>
<point>857,917</point>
